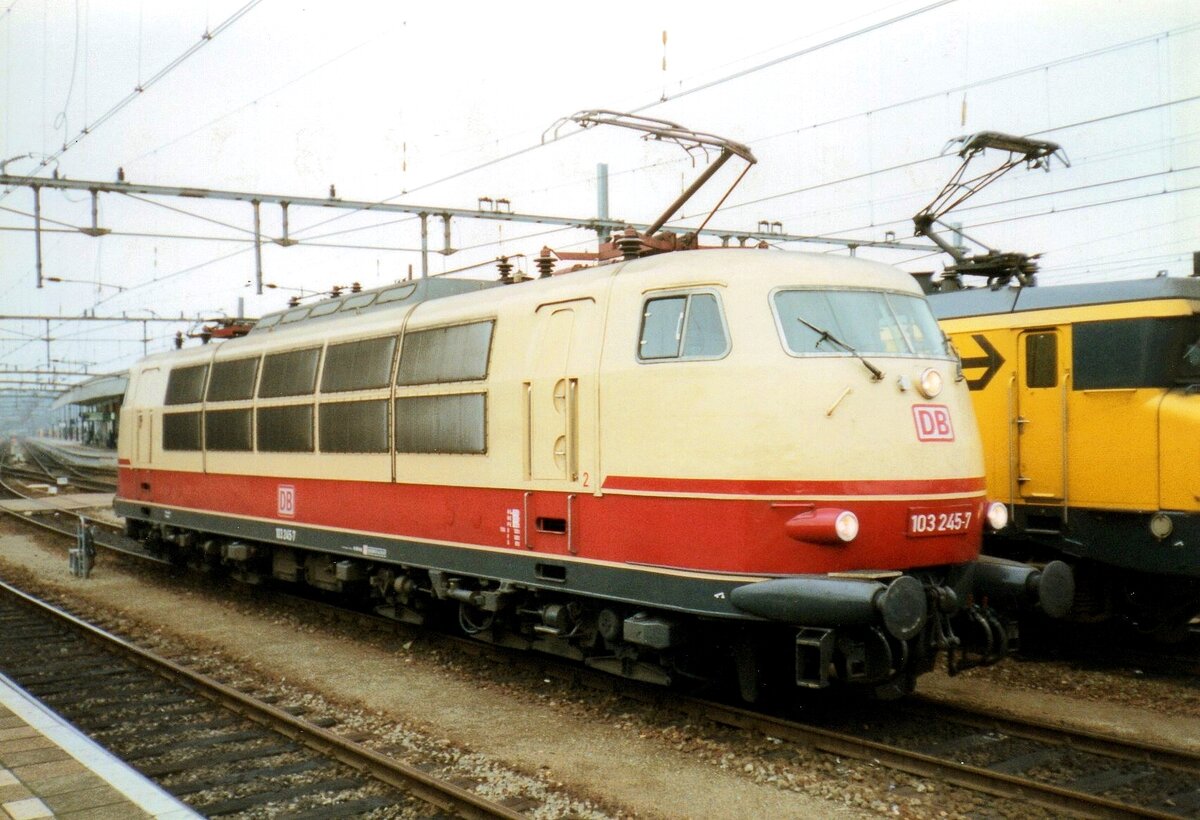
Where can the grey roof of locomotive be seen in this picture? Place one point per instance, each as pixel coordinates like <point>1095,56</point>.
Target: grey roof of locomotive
<point>405,293</point>
<point>985,301</point>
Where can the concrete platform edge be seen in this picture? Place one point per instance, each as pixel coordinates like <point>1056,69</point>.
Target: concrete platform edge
<point>146,794</point>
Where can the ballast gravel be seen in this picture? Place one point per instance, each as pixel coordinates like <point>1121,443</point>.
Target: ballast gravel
<point>509,733</point>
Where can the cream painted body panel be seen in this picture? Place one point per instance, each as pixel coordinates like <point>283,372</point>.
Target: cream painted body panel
<point>756,413</point>
<point>760,412</point>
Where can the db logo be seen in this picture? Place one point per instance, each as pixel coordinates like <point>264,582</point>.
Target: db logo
<point>287,500</point>
<point>933,422</point>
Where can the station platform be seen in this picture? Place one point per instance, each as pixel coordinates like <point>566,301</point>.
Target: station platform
<point>67,502</point>
<point>94,506</point>
<point>83,454</point>
<point>49,769</point>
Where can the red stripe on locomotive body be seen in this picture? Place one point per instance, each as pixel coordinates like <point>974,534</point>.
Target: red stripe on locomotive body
<point>867,487</point>
<point>734,535</point>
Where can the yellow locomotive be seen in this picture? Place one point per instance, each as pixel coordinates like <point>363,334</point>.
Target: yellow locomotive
<point>1088,398</point>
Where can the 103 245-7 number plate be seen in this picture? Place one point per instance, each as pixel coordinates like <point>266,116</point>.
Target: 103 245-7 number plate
<point>923,521</point>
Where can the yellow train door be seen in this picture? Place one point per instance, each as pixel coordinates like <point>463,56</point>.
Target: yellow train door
<point>1041,416</point>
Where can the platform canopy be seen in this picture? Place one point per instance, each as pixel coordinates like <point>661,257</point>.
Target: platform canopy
<point>94,391</point>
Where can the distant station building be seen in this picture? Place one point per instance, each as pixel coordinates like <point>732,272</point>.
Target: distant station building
<point>87,413</point>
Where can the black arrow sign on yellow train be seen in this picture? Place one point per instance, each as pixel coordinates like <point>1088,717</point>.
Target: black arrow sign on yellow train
<point>991,359</point>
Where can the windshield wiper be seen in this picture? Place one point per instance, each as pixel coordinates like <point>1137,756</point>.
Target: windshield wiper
<point>876,373</point>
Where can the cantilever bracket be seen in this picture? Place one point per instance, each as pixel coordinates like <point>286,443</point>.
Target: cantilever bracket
<point>95,230</point>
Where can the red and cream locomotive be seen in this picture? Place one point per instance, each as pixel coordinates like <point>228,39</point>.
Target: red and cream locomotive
<point>748,464</point>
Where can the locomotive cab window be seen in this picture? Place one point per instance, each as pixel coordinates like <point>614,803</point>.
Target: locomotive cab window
<point>1160,351</point>
<point>185,385</point>
<point>687,326</point>
<point>868,321</point>
<point>1189,364</point>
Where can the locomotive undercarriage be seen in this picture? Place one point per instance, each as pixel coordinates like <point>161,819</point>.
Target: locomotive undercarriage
<point>1159,606</point>
<point>760,659</point>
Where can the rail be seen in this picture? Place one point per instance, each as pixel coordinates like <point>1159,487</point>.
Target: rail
<point>445,796</point>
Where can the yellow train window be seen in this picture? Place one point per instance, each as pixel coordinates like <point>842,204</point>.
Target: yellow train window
<point>1041,360</point>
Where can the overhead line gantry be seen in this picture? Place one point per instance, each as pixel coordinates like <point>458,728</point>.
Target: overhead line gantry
<point>423,212</point>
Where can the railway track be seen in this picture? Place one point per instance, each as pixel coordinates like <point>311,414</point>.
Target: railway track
<point>1047,764</point>
<point>1119,649</point>
<point>1043,763</point>
<point>1061,769</point>
<point>218,750</point>
<point>1054,767</point>
<point>87,472</point>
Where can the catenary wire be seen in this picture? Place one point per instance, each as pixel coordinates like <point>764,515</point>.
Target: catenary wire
<point>140,89</point>
<point>520,152</point>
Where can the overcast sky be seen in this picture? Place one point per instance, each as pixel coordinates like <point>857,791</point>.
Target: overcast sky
<point>394,101</point>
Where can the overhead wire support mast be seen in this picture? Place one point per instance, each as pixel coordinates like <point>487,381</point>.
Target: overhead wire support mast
<point>999,267</point>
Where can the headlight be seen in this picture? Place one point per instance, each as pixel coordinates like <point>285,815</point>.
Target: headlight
<point>1160,525</point>
<point>827,525</point>
<point>930,384</point>
<point>846,526</point>
<point>997,515</point>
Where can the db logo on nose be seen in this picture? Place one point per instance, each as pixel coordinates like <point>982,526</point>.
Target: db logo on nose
<point>933,422</point>
<point>287,500</point>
